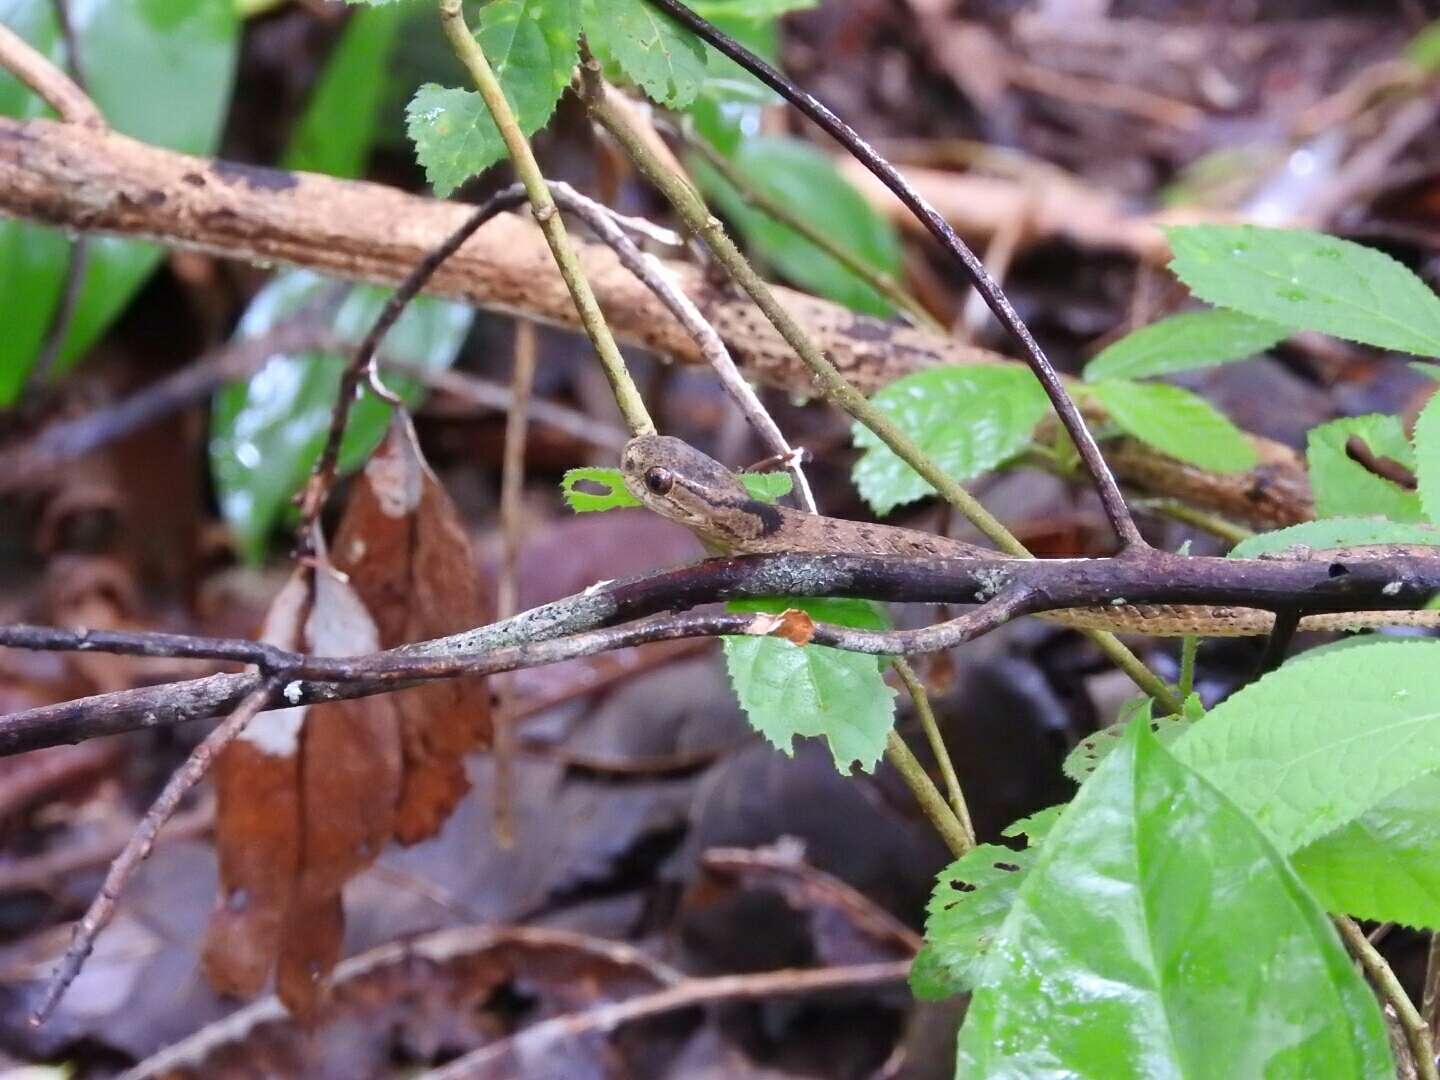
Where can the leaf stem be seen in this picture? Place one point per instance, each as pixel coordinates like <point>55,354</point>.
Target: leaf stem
<point>950,827</point>
<point>467,48</point>
<point>921,697</point>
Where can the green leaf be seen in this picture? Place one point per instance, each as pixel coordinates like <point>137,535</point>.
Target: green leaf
<point>803,179</point>
<point>1423,49</point>
<point>788,690</point>
<point>657,53</point>
<point>1427,458</point>
<point>161,71</point>
<point>335,133</point>
<point>750,10</point>
<point>612,495</point>
<point>533,47</point>
<point>1345,488</point>
<point>1385,865</point>
<point>1309,281</point>
<point>968,419</point>
<point>767,487</point>
<point>1334,533</point>
<point>1312,746</point>
<point>1176,422</point>
<point>1090,751</point>
<point>268,432</point>
<point>1120,956</point>
<point>1195,339</point>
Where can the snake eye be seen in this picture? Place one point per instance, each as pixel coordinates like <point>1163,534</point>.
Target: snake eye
<point>659,481</point>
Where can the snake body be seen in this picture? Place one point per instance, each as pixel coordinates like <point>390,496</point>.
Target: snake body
<point>679,482</point>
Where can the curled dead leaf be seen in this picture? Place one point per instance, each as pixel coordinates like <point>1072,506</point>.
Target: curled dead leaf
<point>792,624</point>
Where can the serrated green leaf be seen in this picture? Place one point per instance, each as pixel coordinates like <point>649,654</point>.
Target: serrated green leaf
<point>1120,958</point>
<point>161,71</point>
<point>972,896</point>
<point>788,690</point>
<point>533,46</point>
<point>1176,422</point>
<point>1345,488</point>
<point>1427,458</point>
<point>1337,532</point>
<point>1312,746</point>
<point>1195,339</point>
<point>337,128</point>
<point>1385,865</point>
<point>967,419</point>
<point>657,53</point>
<point>267,433</point>
<point>1309,281</point>
<point>803,178</point>
<point>1090,751</point>
<point>612,496</point>
<point>1035,827</point>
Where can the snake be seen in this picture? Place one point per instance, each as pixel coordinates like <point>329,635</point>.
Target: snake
<point>684,485</point>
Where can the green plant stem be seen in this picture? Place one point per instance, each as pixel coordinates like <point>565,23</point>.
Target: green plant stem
<point>883,284</point>
<point>950,828</point>
<point>467,48</point>
<point>921,697</point>
<point>1412,1025</point>
<point>832,385</point>
<point>1189,647</point>
<point>1201,519</point>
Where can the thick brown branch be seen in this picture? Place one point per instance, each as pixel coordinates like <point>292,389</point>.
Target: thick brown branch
<point>576,626</point>
<point>68,176</point>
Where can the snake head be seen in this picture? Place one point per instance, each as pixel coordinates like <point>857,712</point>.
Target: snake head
<point>678,482</point>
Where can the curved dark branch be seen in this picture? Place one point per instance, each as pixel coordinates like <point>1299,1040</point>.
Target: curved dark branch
<point>1114,502</point>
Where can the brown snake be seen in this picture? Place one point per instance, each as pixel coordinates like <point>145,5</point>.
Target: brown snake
<point>678,482</point>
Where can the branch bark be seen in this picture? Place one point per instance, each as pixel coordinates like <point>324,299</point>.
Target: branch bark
<point>69,176</point>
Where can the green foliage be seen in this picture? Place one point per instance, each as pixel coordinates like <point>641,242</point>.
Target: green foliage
<point>1427,458</point>
<point>1424,48</point>
<point>767,487</point>
<point>161,71</point>
<point>1158,933</point>
<point>1195,339</point>
<point>788,690</point>
<point>1176,422</point>
<point>1311,281</point>
<point>533,46</point>
<point>1313,746</point>
<point>967,419</point>
<point>656,53</point>
<point>972,897</point>
<point>1343,486</point>
<point>1090,751</point>
<point>337,129</point>
<point>1340,532</point>
<point>1384,865</point>
<point>266,434</point>
<point>803,179</point>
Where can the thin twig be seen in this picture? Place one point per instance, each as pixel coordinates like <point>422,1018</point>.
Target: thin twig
<point>653,273</point>
<point>1417,1034</point>
<point>921,697</point>
<point>525,1045</point>
<point>1105,484</point>
<point>55,88</point>
<point>542,206</point>
<point>512,520</point>
<point>361,365</point>
<point>102,909</point>
<point>881,283</point>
